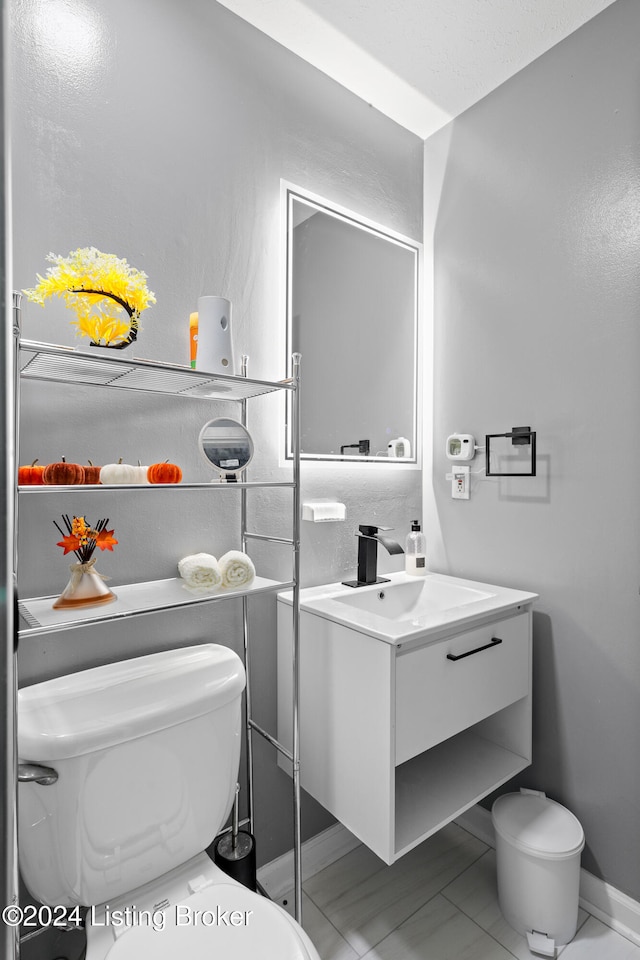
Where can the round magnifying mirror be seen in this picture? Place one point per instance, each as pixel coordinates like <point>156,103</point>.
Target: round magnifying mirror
<point>227,446</point>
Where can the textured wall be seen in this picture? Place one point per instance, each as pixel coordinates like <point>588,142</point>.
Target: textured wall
<point>532,206</point>
<point>159,131</point>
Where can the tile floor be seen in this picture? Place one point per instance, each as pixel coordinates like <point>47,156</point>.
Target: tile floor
<point>439,902</point>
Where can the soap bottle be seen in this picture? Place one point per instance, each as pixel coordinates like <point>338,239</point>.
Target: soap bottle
<point>416,552</point>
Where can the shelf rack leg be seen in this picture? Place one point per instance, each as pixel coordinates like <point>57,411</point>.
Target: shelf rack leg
<point>245,631</point>
<point>247,710</point>
<point>250,726</point>
<point>9,892</point>
<point>297,836</point>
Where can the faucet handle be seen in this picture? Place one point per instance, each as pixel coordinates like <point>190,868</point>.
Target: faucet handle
<point>368,530</point>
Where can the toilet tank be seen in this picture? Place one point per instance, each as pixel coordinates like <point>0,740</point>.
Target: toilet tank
<point>147,753</point>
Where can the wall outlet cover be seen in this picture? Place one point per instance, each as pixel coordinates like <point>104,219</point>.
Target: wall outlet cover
<point>460,482</point>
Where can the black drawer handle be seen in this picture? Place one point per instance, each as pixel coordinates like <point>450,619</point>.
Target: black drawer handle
<point>460,656</point>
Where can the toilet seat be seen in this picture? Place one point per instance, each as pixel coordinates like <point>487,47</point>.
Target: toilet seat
<point>224,919</point>
<point>196,911</point>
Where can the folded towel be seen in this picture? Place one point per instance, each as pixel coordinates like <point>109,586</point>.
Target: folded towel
<point>200,571</point>
<point>236,569</point>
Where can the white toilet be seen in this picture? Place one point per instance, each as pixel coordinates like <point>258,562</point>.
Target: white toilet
<point>147,753</point>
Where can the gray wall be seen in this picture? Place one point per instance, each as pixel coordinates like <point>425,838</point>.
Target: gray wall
<point>533,206</point>
<point>165,144</point>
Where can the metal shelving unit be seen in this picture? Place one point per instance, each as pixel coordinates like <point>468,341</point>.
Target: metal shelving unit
<point>48,362</point>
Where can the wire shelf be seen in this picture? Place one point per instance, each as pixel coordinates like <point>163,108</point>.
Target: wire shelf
<point>45,361</point>
<point>146,488</point>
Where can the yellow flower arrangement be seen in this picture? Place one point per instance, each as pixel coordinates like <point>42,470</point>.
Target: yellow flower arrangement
<point>89,280</point>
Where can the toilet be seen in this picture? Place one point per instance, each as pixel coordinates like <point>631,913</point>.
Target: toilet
<point>146,753</point>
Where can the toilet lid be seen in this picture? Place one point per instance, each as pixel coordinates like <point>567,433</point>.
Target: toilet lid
<point>222,920</point>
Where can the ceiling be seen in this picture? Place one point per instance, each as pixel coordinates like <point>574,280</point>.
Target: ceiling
<point>420,62</point>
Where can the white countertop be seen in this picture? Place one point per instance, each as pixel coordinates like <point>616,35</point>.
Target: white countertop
<point>410,608</point>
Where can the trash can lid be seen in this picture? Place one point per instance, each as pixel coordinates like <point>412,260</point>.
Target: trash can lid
<point>537,825</point>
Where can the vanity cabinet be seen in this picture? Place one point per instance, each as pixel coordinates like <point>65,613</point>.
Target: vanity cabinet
<point>397,739</point>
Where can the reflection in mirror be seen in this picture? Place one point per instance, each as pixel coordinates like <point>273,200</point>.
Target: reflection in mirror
<point>352,312</point>
<point>227,446</point>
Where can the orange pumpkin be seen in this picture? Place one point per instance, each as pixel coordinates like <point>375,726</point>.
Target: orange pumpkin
<point>63,473</point>
<point>164,473</point>
<point>30,475</point>
<point>92,474</point>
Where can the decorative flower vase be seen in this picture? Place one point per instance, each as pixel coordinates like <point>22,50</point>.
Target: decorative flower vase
<point>111,348</point>
<point>131,338</point>
<point>86,587</point>
<point>114,347</point>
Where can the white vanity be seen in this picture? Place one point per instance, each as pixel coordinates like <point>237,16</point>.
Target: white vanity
<point>415,700</point>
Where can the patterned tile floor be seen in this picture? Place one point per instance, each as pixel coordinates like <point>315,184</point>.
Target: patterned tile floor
<point>439,902</point>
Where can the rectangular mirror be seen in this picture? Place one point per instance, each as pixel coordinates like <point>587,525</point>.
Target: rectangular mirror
<point>352,312</point>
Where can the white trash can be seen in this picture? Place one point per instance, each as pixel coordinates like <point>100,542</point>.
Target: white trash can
<point>538,846</point>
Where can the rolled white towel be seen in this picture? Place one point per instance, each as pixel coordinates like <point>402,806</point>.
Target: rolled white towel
<point>237,569</point>
<point>200,571</point>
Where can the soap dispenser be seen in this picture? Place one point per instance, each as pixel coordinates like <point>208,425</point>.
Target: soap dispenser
<point>416,552</point>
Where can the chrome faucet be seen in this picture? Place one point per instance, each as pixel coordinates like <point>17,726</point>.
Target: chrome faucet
<point>368,555</point>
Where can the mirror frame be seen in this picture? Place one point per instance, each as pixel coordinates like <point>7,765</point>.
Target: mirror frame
<point>233,471</point>
<point>289,193</point>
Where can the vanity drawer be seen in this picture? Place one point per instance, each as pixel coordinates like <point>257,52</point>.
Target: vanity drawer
<point>447,686</point>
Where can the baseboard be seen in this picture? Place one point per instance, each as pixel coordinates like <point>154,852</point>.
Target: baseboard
<point>277,876</point>
<point>598,898</point>
<point>611,906</point>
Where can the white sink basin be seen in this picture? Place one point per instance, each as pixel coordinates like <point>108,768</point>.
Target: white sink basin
<point>412,599</point>
<point>408,607</point>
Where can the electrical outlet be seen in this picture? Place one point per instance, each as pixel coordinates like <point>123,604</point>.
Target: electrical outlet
<point>460,483</point>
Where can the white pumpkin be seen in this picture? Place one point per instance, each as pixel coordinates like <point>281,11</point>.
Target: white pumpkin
<point>141,474</point>
<point>119,473</point>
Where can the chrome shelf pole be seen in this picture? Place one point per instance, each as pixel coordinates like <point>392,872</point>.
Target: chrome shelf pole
<point>251,725</point>
<point>245,633</point>
<point>297,517</point>
<point>9,894</point>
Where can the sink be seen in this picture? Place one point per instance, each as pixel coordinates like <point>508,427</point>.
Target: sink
<point>407,607</point>
<point>413,599</point>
